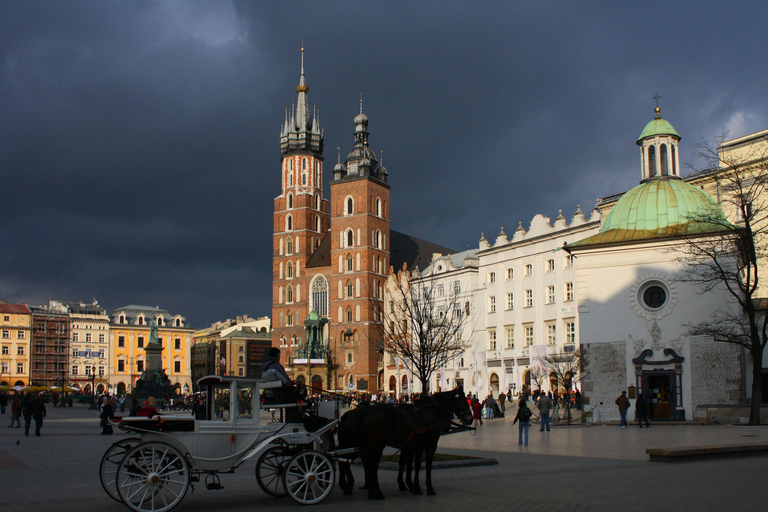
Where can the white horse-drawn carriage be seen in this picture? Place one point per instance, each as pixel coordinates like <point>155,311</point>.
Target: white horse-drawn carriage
<point>153,471</point>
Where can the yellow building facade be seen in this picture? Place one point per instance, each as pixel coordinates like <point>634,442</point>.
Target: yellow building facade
<point>15,335</point>
<point>128,337</point>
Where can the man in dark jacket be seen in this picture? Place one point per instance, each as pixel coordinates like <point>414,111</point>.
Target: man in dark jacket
<point>272,371</point>
<point>38,413</point>
<point>641,406</point>
<point>623,403</point>
<point>26,411</point>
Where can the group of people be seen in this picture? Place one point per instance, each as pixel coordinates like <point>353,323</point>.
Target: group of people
<point>641,407</point>
<point>30,407</point>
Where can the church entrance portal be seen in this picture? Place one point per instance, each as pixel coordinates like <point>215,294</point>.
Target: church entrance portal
<point>659,392</point>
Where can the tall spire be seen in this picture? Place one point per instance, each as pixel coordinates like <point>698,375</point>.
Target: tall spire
<point>302,129</point>
<point>302,109</point>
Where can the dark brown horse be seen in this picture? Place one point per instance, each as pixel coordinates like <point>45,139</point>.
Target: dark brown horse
<point>438,411</point>
<point>371,428</point>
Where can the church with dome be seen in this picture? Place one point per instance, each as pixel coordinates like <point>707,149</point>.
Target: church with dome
<point>634,308</point>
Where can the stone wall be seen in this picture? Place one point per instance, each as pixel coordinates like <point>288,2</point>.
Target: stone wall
<point>716,374</point>
<point>604,376</point>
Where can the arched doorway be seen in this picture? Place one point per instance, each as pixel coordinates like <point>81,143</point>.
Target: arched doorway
<point>553,382</point>
<point>526,381</point>
<point>120,388</point>
<point>392,383</point>
<point>317,384</point>
<point>494,383</point>
<point>404,385</point>
<point>100,388</point>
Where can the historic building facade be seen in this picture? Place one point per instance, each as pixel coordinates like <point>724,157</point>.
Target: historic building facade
<point>89,350</point>
<point>15,335</point>
<point>332,255</point>
<point>128,337</point>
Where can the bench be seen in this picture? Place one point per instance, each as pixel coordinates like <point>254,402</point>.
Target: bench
<point>683,453</point>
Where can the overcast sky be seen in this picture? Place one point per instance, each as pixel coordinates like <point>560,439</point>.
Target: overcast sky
<point>139,141</point>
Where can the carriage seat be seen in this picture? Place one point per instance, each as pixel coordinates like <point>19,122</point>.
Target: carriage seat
<point>157,424</point>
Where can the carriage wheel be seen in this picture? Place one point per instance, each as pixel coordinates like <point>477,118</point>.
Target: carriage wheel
<point>152,477</point>
<point>309,477</point>
<point>109,463</point>
<point>270,470</point>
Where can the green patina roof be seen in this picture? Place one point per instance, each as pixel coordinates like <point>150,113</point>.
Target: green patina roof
<point>657,126</point>
<point>658,208</point>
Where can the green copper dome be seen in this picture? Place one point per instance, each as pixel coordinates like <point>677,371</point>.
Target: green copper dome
<point>657,126</point>
<point>659,208</point>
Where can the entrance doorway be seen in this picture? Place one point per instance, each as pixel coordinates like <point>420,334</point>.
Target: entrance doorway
<point>659,390</point>
<point>317,383</point>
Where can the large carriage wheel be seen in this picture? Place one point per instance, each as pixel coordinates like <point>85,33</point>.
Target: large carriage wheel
<point>109,463</point>
<point>270,470</point>
<point>152,477</point>
<point>309,477</point>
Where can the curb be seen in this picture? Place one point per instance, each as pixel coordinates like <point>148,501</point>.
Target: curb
<point>744,425</point>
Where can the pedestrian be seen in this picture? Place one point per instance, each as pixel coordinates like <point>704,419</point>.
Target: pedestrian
<point>26,411</point>
<point>135,407</point>
<point>641,406</point>
<point>3,402</point>
<point>545,404</point>
<point>477,413</point>
<point>623,403</point>
<point>15,411</point>
<point>490,406</point>
<point>524,417</point>
<point>38,413</point>
<point>502,400</point>
<point>107,412</point>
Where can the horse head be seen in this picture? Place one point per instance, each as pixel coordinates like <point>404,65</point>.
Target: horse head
<point>455,401</point>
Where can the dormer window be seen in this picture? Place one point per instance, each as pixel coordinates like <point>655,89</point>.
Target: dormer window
<point>122,319</point>
<point>159,320</point>
<point>141,320</point>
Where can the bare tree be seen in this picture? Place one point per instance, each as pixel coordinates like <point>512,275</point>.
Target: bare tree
<point>567,370</point>
<point>734,256</point>
<point>422,322</point>
<point>538,375</point>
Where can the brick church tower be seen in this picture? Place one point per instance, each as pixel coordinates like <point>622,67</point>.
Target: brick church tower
<point>300,217</point>
<point>360,236</point>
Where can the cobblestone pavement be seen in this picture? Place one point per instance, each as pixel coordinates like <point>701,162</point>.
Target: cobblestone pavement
<point>568,469</point>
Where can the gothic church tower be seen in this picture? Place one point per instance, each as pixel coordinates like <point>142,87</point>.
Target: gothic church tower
<point>300,217</point>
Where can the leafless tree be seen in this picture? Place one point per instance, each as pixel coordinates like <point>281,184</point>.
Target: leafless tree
<point>538,375</point>
<point>567,370</point>
<point>422,322</point>
<point>734,257</point>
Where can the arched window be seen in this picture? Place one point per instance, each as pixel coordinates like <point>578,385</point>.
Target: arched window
<point>290,180</point>
<point>350,263</point>
<point>378,207</point>
<point>377,239</point>
<point>303,178</point>
<point>664,162</point>
<point>289,294</point>
<point>289,270</point>
<point>350,206</point>
<point>350,290</point>
<point>290,200</point>
<point>674,162</point>
<point>651,161</point>
<point>304,164</point>
<point>349,314</point>
<point>317,202</point>
<point>319,295</point>
<point>350,238</point>
<point>289,223</point>
<point>289,245</point>
<point>317,223</point>
<point>290,165</point>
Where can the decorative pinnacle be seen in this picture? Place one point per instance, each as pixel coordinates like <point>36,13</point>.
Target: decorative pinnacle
<point>657,109</point>
<point>361,103</point>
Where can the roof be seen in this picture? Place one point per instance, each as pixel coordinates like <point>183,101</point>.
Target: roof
<point>658,208</point>
<point>402,249</point>
<point>19,309</point>
<point>657,126</point>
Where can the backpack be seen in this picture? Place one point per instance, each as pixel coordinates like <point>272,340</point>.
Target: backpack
<point>525,414</point>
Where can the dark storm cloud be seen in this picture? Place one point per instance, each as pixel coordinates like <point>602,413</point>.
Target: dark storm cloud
<point>139,149</point>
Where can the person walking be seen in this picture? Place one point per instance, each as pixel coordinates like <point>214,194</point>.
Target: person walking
<point>38,413</point>
<point>107,412</point>
<point>15,411</point>
<point>26,411</point>
<point>623,403</point>
<point>490,405</point>
<point>477,413</point>
<point>641,406</point>
<point>545,404</point>
<point>524,417</point>
<point>502,401</point>
<point>3,402</point>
